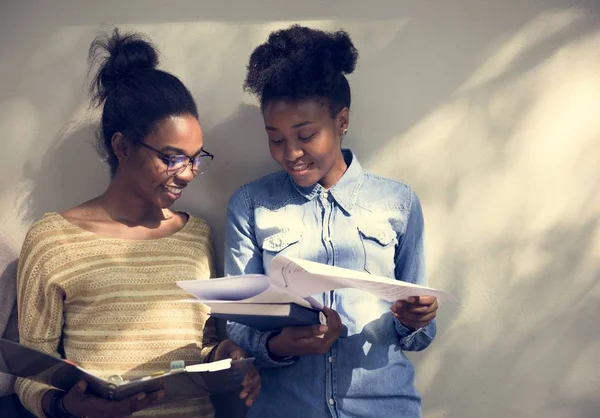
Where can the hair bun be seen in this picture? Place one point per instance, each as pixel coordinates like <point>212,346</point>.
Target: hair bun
<point>300,43</point>
<point>343,53</point>
<point>117,56</point>
<point>301,57</point>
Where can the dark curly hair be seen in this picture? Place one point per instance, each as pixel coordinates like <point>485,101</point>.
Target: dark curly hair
<point>135,95</point>
<point>301,63</point>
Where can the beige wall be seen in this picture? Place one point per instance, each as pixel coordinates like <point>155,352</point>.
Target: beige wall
<point>490,109</point>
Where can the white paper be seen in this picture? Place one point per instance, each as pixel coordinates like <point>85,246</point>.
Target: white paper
<point>214,366</point>
<point>295,280</point>
<point>227,288</point>
<point>251,288</point>
<point>306,278</point>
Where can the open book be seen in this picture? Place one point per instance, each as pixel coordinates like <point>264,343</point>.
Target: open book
<point>255,299</point>
<point>181,381</point>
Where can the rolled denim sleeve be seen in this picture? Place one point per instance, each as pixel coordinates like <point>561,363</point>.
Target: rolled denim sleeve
<point>244,256</point>
<point>410,267</point>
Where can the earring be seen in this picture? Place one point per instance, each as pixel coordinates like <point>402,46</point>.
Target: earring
<point>345,131</point>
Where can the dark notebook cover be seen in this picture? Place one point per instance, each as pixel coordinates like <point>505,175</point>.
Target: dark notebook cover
<point>180,382</point>
<point>268,317</point>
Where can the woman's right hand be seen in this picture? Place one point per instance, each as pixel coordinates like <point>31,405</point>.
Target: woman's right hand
<point>81,404</point>
<point>302,341</point>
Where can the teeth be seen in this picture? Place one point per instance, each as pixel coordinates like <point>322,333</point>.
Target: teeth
<point>174,190</point>
<point>300,167</point>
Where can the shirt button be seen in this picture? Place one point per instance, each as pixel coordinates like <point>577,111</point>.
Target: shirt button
<point>327,239</point>
<point>324,195</point>
<point>330,359</point>
<point>331,401</point>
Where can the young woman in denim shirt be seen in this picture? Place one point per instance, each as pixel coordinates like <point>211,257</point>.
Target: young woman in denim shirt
<point>326,208</point>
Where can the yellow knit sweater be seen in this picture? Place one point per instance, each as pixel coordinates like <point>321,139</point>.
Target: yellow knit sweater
<point>114,302</point>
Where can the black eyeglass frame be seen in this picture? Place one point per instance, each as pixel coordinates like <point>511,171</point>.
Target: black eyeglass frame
<point>170,160</point>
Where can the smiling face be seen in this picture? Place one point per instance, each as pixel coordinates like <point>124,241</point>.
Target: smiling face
<point>146,171</point>
<point>306,141</point>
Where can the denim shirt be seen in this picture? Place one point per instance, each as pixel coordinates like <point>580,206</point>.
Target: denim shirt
<point>364,222</point>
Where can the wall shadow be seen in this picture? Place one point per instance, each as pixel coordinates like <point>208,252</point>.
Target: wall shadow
<point>522,344</point>
<point>69,173</point>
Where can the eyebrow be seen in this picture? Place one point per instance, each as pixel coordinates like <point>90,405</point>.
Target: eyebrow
<point>296,126</point>
<point>179,151</point>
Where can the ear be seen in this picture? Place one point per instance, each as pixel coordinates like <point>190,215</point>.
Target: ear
<point>121,147</point>
<point>342,120</point>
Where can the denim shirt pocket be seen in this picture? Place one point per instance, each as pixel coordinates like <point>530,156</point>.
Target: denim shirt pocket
<point>285,241</point>
<point>281,240</point>
<point>379,244</point>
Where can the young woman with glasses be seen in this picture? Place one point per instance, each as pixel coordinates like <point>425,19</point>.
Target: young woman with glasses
<point>325,207</point>
<point>97,281</point>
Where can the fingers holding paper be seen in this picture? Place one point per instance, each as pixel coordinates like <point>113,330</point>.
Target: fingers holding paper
<point>415,312</point>
<point>334,328</point>
<point>251,384</point>
<point>301,341</point>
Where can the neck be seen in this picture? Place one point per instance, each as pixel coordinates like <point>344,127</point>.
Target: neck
<point>123,206</point>
<point>336,173</point>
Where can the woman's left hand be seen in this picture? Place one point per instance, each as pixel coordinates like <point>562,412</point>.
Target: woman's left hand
<point>416,312</point>
<point>251,384</point>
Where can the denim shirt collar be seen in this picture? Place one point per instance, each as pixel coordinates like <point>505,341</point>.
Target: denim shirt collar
<point>345,190</point>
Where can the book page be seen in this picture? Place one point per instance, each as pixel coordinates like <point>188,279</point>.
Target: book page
<point>306,278</point>
<point>240,289</point>
<point>226,288</point>
<point>210,367</point>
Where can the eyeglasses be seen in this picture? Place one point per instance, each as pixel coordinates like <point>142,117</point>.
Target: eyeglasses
<point>176,164</point>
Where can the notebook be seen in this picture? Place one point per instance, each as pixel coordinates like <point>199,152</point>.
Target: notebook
<point>268,316</point>
<point>180,381</point>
